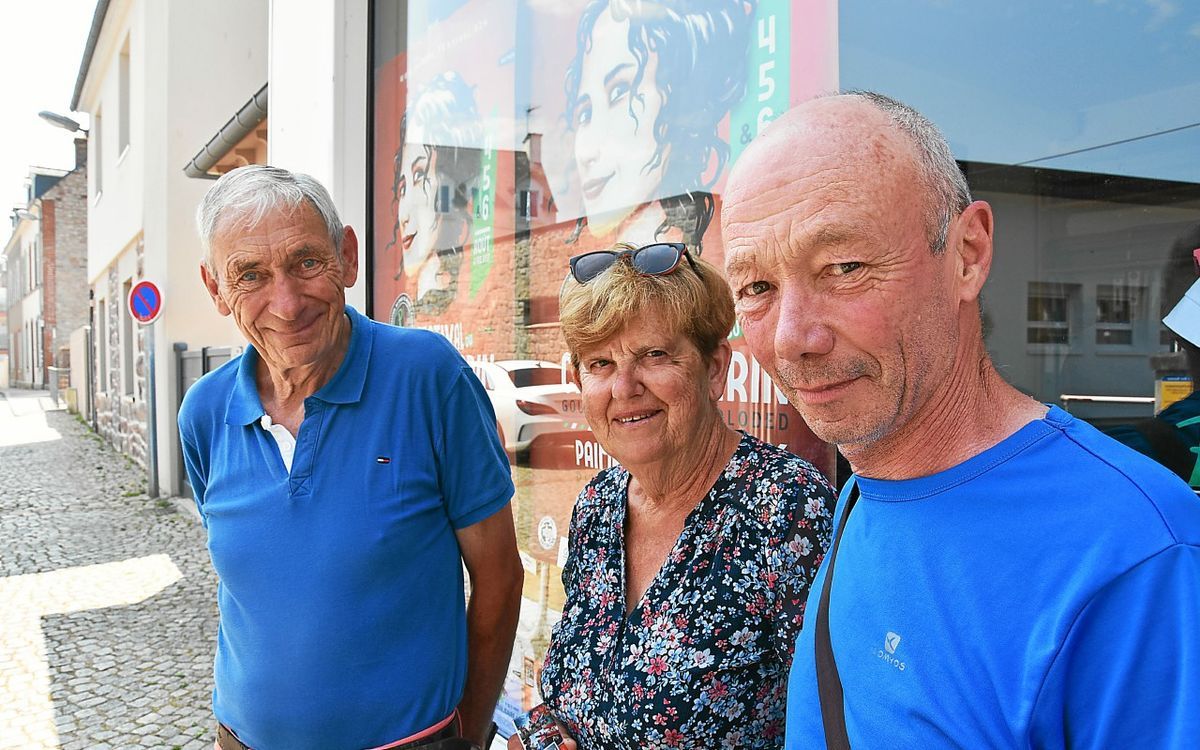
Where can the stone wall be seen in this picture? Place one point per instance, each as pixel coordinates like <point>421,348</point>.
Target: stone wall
<point>121,418</point>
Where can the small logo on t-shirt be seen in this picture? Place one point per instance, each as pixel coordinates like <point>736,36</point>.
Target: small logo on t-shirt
<point>891,642</point>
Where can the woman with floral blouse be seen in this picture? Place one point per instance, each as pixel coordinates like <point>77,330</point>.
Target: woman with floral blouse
<point>690,562</point>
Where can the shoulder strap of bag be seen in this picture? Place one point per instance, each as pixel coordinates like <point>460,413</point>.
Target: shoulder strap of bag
<point>829,684</point>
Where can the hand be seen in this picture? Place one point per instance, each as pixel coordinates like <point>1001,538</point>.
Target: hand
<point>568,743</point>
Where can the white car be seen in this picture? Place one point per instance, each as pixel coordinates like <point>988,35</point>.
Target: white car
<point>530,399</point>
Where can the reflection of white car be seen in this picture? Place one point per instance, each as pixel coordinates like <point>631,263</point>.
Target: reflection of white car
<point>530,399</point>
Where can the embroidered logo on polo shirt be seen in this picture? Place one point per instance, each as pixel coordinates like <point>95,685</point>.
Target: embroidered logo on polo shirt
<point>383,460</point>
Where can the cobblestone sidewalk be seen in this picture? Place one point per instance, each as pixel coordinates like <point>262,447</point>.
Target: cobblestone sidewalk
<point>107,599</point>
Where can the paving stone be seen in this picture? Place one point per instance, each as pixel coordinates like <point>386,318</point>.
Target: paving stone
<point>67,504</point>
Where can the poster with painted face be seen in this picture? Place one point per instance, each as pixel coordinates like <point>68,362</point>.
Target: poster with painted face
<point>640,109</point>
<point>443,133</point>
<point>511,135</point>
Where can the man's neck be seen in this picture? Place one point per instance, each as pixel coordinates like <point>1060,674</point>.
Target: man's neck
<point>283,391</point>
<point>969,412</point>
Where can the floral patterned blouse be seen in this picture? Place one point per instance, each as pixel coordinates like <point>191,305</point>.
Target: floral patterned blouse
<point>702,660</point>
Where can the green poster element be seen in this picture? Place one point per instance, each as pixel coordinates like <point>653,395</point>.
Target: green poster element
<point>482,232</point>
<point>768,75</point>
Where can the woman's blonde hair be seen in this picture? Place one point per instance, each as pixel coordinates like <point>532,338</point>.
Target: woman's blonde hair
<point>696,303</point>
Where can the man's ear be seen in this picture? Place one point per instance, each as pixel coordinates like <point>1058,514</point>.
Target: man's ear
<point>214,290</point>
<point>349,257</point>
<point>973,247</point>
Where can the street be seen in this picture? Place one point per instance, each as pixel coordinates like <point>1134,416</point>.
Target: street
<point>107,600</point>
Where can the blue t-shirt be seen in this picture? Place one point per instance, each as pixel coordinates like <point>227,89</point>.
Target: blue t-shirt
<point>341,591</point>
<point>1042,594</point>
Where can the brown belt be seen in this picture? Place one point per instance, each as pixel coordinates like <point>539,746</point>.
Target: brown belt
<point>227,740</point>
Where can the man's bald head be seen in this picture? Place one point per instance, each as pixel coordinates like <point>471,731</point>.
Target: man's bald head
<point>857,258</point>
<point>860,122</point>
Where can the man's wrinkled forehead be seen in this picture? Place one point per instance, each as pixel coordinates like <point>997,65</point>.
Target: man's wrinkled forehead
<point>236,220</point>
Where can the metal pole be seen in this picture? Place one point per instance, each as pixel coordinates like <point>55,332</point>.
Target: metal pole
<point>152,416</point>
<point>90,369</point>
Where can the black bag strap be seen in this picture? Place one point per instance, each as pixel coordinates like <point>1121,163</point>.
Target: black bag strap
<point>1168,445</point>
<point>829,684</point>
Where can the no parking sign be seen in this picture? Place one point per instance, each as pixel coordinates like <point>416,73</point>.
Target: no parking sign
<point>145,302</point>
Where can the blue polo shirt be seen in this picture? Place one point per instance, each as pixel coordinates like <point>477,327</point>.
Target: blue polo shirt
<point>341,589</point>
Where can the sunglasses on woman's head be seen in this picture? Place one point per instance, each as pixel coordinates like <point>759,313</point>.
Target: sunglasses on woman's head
<point>649,260</point>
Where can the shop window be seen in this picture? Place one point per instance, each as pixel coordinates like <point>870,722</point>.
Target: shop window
<point>96,160</point>
<point>1048,312</point>
<point>37,260</point>
<point>123,94</point>
<point>527,204</point>
<point>1118,308</point>
<point>1092,182</point>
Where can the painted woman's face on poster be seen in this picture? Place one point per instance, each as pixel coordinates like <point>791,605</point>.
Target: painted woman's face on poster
<point>510,135</point>
<point>618,160</point>
<point>421,231</point>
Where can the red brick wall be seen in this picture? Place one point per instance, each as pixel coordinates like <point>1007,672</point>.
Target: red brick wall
<point>64,271</point>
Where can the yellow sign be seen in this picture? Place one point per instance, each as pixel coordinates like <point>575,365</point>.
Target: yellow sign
<point>1170,389</point>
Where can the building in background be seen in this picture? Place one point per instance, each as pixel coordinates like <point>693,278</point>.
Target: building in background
<point>3,321</point>
<point>157,80</point>
<point>46,262</point>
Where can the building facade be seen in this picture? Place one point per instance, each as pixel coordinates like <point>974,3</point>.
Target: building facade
<point>3,321</point>
<point>46,262</point>
<point>157,80</point>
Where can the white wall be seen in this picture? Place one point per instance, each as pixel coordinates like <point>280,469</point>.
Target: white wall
<point>193,65</point>
<point>318,121</point>
<point>25,302</point>
<point>115,195</point>
<point>80,355</point>
<point>216,52</point>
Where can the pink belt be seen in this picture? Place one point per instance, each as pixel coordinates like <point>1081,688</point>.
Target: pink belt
<point>227,740</point>
<point>426,734</point>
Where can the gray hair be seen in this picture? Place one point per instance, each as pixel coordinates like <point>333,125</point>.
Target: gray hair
<point>252,191</point>
<point>939,171</point>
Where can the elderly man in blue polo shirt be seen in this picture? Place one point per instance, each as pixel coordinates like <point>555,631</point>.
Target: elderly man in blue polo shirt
<point>346,471</point>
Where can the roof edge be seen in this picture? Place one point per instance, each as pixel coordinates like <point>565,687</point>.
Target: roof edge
<point>243,122</point>
<point>89,49</point>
